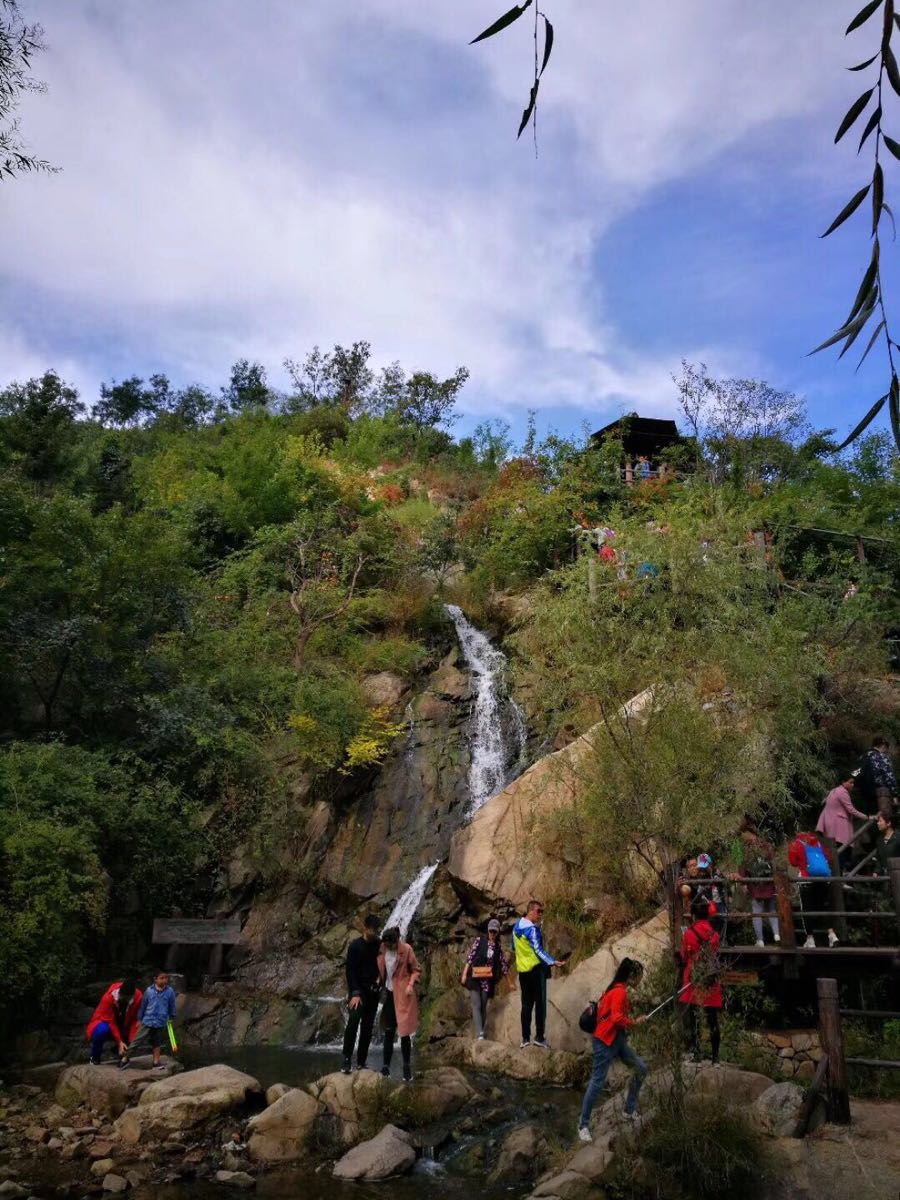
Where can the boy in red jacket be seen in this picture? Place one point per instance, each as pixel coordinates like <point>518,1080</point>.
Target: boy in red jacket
<point>611,1041</point>
<point>115,1017</point>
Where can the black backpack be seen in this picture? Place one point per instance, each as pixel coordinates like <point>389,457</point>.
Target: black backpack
<point>588,1019</point>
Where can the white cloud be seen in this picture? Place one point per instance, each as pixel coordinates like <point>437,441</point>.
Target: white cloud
<point>244,180</point>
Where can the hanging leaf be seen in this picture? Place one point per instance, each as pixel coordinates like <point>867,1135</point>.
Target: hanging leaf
<point>848,210</point>
<point>866,286</point>
<point>893,146</point>
<point>526,115</point>
<point>844,331</point>
<point>894,410</point>
<point>870,125</point>
<point>886,208</point>
<point>502,22</point>
<point>867,420</point>
<point>888,26</point>
<point>548,43</point>
<point>897,20</point>
<point>893,74</point>
<point>872,340</point>
<point>852,113</point>
<point>863,15</point>
<point>862,66</point>
<point>860,325</point>
<point>877,196</point>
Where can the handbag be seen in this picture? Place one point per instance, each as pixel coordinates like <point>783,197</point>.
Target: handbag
<point>485,972</point>
<point>587,1022</point>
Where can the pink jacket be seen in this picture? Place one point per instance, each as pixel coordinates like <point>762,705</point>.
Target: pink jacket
<point>407,973</point>
<point>834,820</point>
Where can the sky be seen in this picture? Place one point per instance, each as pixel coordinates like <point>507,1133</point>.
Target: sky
<point>248,180</point>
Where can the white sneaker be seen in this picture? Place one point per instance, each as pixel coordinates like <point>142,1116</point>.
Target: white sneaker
<point>480,1037</point>
<point>584,1133</point>
<point>777,939</point>
<point>810,943</point>
<point>523,1045</point>
<point>631,1116</point>
<point>542,1043</point>
<point>832,938</point>
<point>760,942</point>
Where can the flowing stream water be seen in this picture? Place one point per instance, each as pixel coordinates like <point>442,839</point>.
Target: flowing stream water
<point>497,743</point>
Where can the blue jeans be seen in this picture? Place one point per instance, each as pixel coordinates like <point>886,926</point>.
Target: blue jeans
<point>603,1058</point>
<point>99,1037</point>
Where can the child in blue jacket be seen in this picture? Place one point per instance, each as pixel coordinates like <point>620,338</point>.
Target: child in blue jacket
<point>156,1010</point>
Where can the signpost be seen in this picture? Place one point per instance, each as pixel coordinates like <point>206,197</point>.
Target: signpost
<point>217,932</point>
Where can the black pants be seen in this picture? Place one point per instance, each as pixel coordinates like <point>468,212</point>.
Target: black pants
<point>692,1023</point>
<point>534,1000</point>
<point>361,1018</point>
<point>389,1020</point>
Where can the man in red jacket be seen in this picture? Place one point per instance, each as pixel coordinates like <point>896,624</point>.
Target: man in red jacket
<point>115,1017</point>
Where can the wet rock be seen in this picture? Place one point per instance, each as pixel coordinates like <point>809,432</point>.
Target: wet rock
<point>10,1190</point>
<point>115,1183</point>
<point>276,1091</point>
<point>531,1063</point>
<point>236,1179</point>
<point>36,1133</point>
<point>350,1098</point>
<point>44,1076</point>
<point>389,1153</point>
<point>102,1167</point>
<point>521,1155</point>
<point>282,1132</point>
<point>100,1149</point>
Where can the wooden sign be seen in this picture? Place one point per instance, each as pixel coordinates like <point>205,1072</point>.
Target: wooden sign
<point>215,931</point>
<point>740,977</point>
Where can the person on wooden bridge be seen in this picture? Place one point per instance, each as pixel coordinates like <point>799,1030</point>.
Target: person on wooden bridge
<point>887,843</point>
<point>701,986</point>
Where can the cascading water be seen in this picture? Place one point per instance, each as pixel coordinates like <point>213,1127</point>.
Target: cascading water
<point>406,907</point>
<point>496,743</point>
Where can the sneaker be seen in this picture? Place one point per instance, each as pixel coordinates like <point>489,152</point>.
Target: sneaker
<point>832,939</point>
<point>407,1074</point>
<point>361,1066</point>
<point>631,1116</point>
<point>94,1062</point>
<point>158,1067</point>
<point>386,1072</point>
<point>777,939</point>
<point>523,1045</point>
<point>123,1063</point>
<point>480,1038</point>
<point>584,1133</point>
<point>810,943</point>
<point>717,1066</point>
<point>542,1043</point>
<point>760,943</point>
<point>346,1067</point>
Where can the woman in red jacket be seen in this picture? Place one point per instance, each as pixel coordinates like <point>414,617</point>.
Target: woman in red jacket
<point>115,1017</point>
<point>611,1041</point>
<point>700,983</point>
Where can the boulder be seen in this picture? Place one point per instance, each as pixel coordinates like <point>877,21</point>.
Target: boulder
<point>105,1089</point>
<point>115,1183</point>
<point>187,1100</point>
<point>282,1132</point>
<point>568,994</point>
<point>102,1167</point>
<point>351,1099</point>
<point>45,1076</point>
<point>432,1096</point>
<point>383,690</point>
<point>487,860</point>
<point>236,1179</point>
<point>727,1084</point>
<point>276,1091</point>
<point>389,1153</point>
<point>499,1058</point>
<point>777,1108</point>
<point>522,1153</point>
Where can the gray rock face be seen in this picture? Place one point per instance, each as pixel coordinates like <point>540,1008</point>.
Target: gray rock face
<point>353,1098</point>
<point>184,1101</point>
<point>283,1131</point>
<point>521,1156</point>
<point>389,1153</point>
<point>499,1058</point>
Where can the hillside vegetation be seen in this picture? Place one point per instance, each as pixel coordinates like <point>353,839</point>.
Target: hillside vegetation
<point>194,591</point>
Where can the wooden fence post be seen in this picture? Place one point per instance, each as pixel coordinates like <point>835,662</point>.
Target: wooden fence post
<point>831,1039</point>
<point>786,921</point>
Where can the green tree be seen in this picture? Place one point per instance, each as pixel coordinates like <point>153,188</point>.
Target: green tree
<point>37,426</point>
<point>19,42</point>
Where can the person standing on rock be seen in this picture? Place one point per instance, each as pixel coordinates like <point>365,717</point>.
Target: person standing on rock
<point>701,987</point>
<point>115,1018</point>
<point>399,971</point>
<point>157,1009</point>
<point>533,965</point>
<point>363,990</point>
<point>484,967</point>
<point>610,1041</point>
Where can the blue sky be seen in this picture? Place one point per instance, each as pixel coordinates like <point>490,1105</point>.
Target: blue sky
<point>248,180</point>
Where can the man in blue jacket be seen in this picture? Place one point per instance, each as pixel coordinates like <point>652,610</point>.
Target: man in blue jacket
<point>156,1011</point>
<point>533,965</point>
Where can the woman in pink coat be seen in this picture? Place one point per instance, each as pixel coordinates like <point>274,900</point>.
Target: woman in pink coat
<point>835,820</point>
<point>400,972</point>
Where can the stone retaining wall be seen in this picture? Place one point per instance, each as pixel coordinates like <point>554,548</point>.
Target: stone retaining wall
<point>796,1051</point>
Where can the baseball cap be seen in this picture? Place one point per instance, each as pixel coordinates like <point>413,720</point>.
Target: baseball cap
<point>494,926</point>
<point>704,861</point>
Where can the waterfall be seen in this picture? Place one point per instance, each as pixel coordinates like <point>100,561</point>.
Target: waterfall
<point>407,906</point>
<point>494,747</point>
